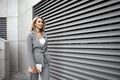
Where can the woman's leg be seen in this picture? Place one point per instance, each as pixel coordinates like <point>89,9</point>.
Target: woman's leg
<point>33,76</point>
<point>45,73</point>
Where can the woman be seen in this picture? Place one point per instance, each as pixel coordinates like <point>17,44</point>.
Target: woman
<point>37,50</point>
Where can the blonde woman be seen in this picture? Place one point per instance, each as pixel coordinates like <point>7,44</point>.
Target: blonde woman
<point>38,56</point>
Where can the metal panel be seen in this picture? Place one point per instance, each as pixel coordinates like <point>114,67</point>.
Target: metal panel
<point>3,30</point>
<point>83,38</point>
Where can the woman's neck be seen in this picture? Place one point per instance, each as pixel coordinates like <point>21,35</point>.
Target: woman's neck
<point>38,31</point>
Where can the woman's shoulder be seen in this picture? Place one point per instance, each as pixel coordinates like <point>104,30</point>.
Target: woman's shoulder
<point>30,34</point>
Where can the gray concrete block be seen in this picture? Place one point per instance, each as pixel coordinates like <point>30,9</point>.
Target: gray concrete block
<point>2,69</point>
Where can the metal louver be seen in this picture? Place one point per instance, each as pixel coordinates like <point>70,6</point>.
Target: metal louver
<point>3,32</point>
<point>83,38</point>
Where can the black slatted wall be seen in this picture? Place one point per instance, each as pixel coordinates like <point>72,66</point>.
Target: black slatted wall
<point>3,30</point>
<point>83,38</point>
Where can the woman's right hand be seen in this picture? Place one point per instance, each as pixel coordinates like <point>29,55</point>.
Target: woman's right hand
<point>34,70</point>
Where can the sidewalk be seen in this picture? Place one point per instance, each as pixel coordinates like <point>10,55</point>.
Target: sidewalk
<point>18,76</point>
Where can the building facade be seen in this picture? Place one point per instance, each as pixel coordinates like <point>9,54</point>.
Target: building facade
<point>83,36</point>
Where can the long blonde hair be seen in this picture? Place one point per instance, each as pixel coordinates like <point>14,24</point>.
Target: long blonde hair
<point>34,21</point>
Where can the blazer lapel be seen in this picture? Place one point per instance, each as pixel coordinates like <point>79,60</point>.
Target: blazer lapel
<point>37,39</point>
<point>45,37</point>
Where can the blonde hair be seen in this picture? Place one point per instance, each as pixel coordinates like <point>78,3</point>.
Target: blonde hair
<point>34,21</point>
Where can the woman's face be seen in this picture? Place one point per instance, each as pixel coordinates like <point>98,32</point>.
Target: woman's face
<point>39,23</point>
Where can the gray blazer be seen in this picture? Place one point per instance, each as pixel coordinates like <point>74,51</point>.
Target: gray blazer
<point>37,53</point>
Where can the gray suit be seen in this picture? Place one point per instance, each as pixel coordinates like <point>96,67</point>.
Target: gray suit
<point>38,54</point>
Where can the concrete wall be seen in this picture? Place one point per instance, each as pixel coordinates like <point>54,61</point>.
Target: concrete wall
<point>12,33</point>
<point>24,22</point>
<point>19,18</point>
<point>3,8</point>
<point>9,9</point>
<point>4,59</point>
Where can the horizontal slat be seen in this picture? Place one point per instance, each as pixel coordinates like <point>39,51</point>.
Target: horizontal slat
<point>88,51</point>
<point>43,6</point>
<point>86,23</point>
<point>39,11</point>
<point>97,7</point>
<point>85,71</point>
<point>88,35</point>
<point>85,29</point>
<point>62,8</point>
<point>2,34</point>
<point>64,74</point>
<point>2,19</point>
<point>102,63</point>
<point>2,26</point>
<point>56,76</point>
<point>101,14</point>
<point>50,7</point>
<point>87,66</point>
<point>90,56</point>
<point>85,41</point>
<point>2,31</point>
<point>87,46</point>
<point>40,6</point>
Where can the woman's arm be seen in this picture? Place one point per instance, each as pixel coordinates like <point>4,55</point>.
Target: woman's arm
<point>30,51</point>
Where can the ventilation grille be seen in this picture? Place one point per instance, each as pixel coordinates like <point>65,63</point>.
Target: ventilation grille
<point>83,38</point>
<point>3,32</point>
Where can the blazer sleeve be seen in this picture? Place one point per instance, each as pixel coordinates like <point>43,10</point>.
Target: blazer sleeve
<point>30,51</point>
<point>46,50</point>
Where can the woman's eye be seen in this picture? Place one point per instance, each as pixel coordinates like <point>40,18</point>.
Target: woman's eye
<point>40,21</point>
